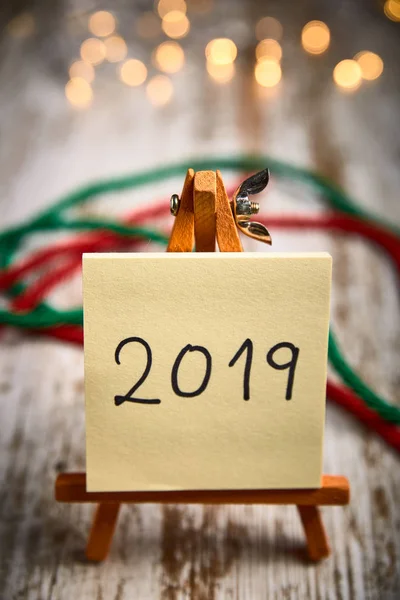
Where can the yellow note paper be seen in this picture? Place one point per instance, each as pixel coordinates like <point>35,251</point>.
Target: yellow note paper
<point>205,371</point>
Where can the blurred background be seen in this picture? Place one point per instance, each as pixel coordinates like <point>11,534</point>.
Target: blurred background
<point>97,88</point>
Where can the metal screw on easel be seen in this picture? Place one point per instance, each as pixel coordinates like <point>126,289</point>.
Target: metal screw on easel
<point>174,204</point>
<point>245,207</point>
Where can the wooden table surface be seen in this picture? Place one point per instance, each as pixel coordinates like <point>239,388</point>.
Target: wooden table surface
<point>48,148</point>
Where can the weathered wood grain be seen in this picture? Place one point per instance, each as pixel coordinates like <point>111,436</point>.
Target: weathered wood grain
<point>71,487</point>
<point>212,552</point>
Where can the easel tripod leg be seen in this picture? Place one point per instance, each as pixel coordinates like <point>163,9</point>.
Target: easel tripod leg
<point>317,541</point>
<point>102,531</point>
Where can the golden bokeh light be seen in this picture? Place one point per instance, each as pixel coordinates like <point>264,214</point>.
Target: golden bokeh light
<point>348,75</point>
<point>315,37</point>
<point>93,51</point>
<point>269,48</point>
<point>392,10</point>
<point>169,57</point>
<point>268,72</point>
<point>102,23</point>
<point>175,24</point>
<point>148,25</point>
<point>22,26</point>
<point>166,6</point>
<point>371,64</point>
<point>221,51</point>
<point>133,72</point>
<point>79,93</point>
<point>159,90</point>
<point>221,73</point>
<point>116,48</point>
<point>268,27</point>
<point>82,69</point>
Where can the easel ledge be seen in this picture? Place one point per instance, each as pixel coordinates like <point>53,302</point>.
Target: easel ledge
<point>335,491</point>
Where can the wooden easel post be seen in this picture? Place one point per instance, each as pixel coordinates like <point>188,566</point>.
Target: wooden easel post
<point>204,216</point>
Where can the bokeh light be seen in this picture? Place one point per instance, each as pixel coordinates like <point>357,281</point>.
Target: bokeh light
<point>166,6</point>
<point>116,48</point>
<point>93,51</point>
<point>133,72</point>
<point>102,23</point>
<point>82,69</point>
<point>221,73</point>
<point>268,27</point>
<point>348,75</point>
<point>392,10</point>
<point>79,93</point>
<point>159,90</point>
<point>22,26</point>
<point>269,48</point>
<point>268,72</point>
<point>315,37</point>
<point>175,24</point>
<point>148,25</point>
<point>371,64</point>
<point>221,51</point>
<point>169,57</point>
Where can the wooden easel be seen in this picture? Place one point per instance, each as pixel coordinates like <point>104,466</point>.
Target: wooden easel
<point>204,216</point>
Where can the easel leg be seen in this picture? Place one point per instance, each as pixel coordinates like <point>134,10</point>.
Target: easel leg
<point>102,531</point>
<point>317,542</point>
